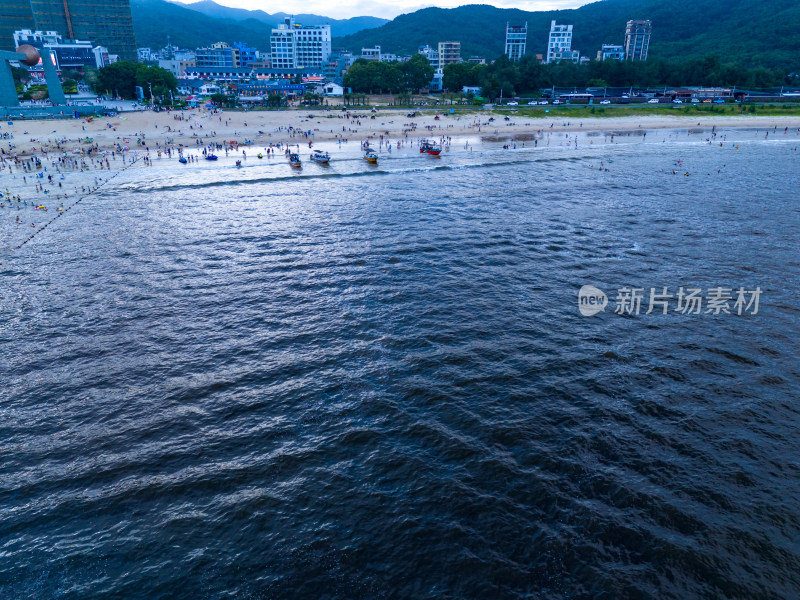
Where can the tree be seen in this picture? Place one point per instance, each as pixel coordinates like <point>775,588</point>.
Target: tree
<point>218,99</point>
<point>163,82</point>
<point>122,78</point>
<point>118,78</point>
<point>20,74</point>
<point>458,75</point>
<point>417,73</point>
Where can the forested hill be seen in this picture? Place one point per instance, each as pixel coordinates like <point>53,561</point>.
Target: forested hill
<point>204,23</point>
<point>751,32</point>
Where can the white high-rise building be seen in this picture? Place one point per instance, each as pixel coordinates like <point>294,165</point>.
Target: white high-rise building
<point>516,38</point>
<point>559,45</point>
<point>300,46</point>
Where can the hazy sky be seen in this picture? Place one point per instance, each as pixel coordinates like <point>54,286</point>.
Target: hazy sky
<point>384,8</point>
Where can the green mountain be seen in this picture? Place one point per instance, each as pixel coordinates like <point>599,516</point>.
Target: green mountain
<point>753,32</point>
<point>339,27</point>
<point>205,22</point>
<point>154,20</point>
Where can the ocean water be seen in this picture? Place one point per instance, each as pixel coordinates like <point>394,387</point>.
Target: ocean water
<point>374,382</point>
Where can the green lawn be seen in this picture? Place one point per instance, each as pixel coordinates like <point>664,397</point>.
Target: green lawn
<point>676,110</point>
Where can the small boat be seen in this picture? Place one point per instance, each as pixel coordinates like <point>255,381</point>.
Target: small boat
<point>294,160</point>
<point>371,157</point>
<point>434,149</point>
<point>429,147</point>
<point>211,157</point>
<point>182,160</point>
<point>320,157</point>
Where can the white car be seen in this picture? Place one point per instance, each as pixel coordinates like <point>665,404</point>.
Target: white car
<point>605,101</point>
<point>653,101</point>
<point>695,101</point>
<point>556,101</point>
<point>532,103</point>
<point>677,101</point>
<point>512,104</point>
<point>543,102</point>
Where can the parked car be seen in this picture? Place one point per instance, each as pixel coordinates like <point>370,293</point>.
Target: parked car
<point>605,101</point>
<point>695,101</point>
<point>677,101</point>
<point>707,101</point>
<point>719,101</point>
<point>556,101</point>
<point>512,103</point>
<point>543,102</point>
<point>533,103</point>
<point>653,101</point>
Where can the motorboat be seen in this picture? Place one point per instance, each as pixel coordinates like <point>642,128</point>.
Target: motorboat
<point>371,157</point>
<point>211,157</point>
<point>294,160</point>
<point>182,160</point>
<point>320,157</point>
<point>430,147</point>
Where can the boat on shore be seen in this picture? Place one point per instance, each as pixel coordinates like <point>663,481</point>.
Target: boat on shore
<point>320,157</point>
<point>371,157</point>
<point>294,160</point>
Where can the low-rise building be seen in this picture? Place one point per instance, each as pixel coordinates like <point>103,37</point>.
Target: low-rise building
<point>69,54</point>
<point>371,53</point>
<point>611,52</point>
<point>431,54</point>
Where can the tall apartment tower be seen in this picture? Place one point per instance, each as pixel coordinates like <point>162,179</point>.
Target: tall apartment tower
<point>449,52</point>
<point>637,39</point>
<point>516,38</point>
<point>296,46</point>
<point>559,44</point>
<point>105,23</point>
<point>14,15</point>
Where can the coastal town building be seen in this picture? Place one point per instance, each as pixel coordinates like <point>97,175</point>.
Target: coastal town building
<point>431,54</point>
<point>559,44</point>
<point>637,39</point>
<point>449,53</point>
<point>516,39</point>
<point>371,53</point>
<point>177,67</point>
<point>611,52</point>
<point>218,55</point>
<point>296,46</point>
<point>14,15</point>
<point>69,54</point>
<point>107,23</point>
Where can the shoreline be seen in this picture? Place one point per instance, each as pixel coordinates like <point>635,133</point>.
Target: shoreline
<point>150,131</point>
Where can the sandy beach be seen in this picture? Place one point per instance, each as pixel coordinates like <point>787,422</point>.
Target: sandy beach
<point>199,127</point>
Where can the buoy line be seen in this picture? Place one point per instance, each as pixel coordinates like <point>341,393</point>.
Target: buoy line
<point>78,201</point>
